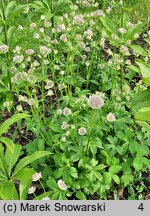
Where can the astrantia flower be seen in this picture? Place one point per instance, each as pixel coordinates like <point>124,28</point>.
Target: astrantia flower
<point>4,48</point>
<point>31,189</point>
<point>18,58</point>
<point>111,117</point>
<point>122,30</point>
<point>61,184</point>
<point>67,111</point>
<point>64,125</point>
<point>49,84</point>
<point>36,176</point>
<point>95,102</point>
<point>29,51</point>
<point>59,112</point>
<point>82,131</point>
<point>45,50</point>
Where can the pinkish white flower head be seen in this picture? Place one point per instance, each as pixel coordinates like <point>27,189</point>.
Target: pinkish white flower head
<point>136,36</point>
<point>59,112</point>
<point>36,63</point>
<point>82,45</point>
<point>31,190</point>
<point>64,125</point>
<point>29,51</point>
<point>114,37</point>
<point>47,24</point>
<point>42,17</point>
<point>33,26</point>
<point>129,24</point>
<point>31,101</point>
<point>19,108</point>
<point>36,176</point>
<point>41,30</point>
<point>73,126</point>
<point>79,19</point>
<point>82,131</point>
<point>124,49</point>
<point>67,133</point>
<point>67,111</point>
<point>79,37</point>
<point>49,85</point>
<point>86,3</point>
<point>6,104</point>
<point>87,49</point>
<point>122,30</point>
<point>4,48</point>
<point>17,49</point>
<point>61,184</point>
<point>36,36</point>
<point>50,93</point>
<point>63,38</point>
<point>99,13</point>
<point>45,50</point>
<point>31,79</point>
<point>61,27</point>
<point>89,32</point>
<point>61,86</point>
<point>63,139</point>
<point>95,102</point>
<point>20,27</point>
<point>111,117</point>
<point>26,9</point>
<point>18,58</point>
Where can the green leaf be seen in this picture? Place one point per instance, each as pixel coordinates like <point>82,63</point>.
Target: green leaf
<point>145,71</point>
<point>138,49</point>
<point>109,25</point>
<point>9,8</point>
<point>5,126</point>
<point>116,179</point>
<point>141,99</point>
<point>11,158</point>
<point>137,163</point>
<point>9,143</point>
<point>114,169</point>
<point>73,172</point>
<point>25,178</point>
<point>143,114</point>
<point>51,183</point>
<point>8,191</point>
<point>126,179</point>
<point>28,159</point>
<point>107,178</point>
<point>80,195</point>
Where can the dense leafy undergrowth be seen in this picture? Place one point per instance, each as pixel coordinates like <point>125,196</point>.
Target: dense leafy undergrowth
<point>74,100</point>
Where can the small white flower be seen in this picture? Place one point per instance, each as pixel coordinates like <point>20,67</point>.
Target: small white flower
<point>63,139</point>
<point>64,125</point>
<point>61,184</point>
<point>31,189</point>
<point>95,102</point>
<point>111,117</point>
<point>67,111</point>
<point>36,176</point>
<point>46,198</point>
<point>19,108</point>
<point>31,101</point>
<point>4,48</point>
<point>122,30</point>
<point>82,131</point>
<point>59,112</point>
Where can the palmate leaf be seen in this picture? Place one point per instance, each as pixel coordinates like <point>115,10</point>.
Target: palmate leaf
<point>16,117</point>
<point>29,159</point>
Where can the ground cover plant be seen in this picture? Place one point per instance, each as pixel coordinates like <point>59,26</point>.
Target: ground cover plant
<point>74,99</point>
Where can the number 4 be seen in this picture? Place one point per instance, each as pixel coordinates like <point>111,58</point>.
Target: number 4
<point>141,207</point>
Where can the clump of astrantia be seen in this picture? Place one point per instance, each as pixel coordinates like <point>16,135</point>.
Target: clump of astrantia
<point>95,101</point>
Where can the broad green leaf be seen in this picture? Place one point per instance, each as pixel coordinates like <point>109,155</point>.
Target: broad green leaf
<point>138,49</point>
<point>51,183</point>
<point>143,114</point>
<point>80,195</point>
<point>25,178</point>
<point>28,159</point>
<point>141,99</point>
<point>126,179</point>
<point>109,25</point>
<point>9,143</point>
<point>16,117</point>
<point>11,158</point>
<point>73,172</point>
<point>116,179</point>
<point>3,165</point>
<point>9,8</point>
<point>8,191</point>
<point>114,169</point>
<point>107,178</point>
<point>137,163</point>
<point>145,71</point>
